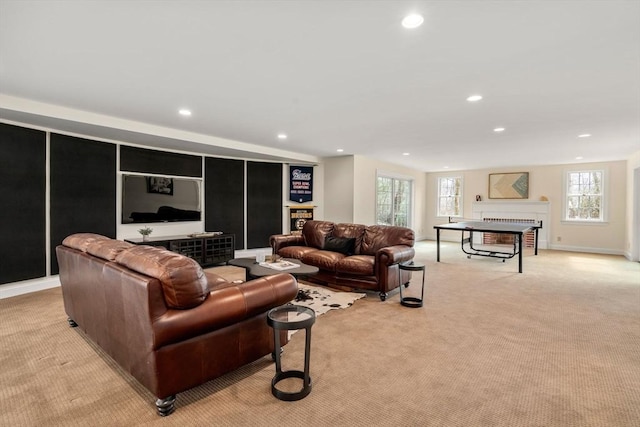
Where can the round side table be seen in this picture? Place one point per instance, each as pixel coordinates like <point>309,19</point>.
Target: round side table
<point>412,302</point>
<point>291,317</point>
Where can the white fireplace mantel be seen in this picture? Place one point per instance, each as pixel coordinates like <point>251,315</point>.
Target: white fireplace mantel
<point>516,209</point>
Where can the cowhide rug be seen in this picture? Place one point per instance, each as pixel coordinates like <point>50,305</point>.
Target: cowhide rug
<point>322,299</point>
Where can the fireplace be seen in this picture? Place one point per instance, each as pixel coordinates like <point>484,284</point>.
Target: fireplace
<point>528,238</point>
<point>513,211</point>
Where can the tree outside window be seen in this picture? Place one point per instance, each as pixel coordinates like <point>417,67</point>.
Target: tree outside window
<point>450,196</point>
<point>393,201</point>
<point>584,196</point>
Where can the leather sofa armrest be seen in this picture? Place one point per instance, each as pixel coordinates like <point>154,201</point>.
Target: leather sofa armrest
<point>216,282</point>
<point>223,307</point>
<point>395,254</point>
<point>279,241</point>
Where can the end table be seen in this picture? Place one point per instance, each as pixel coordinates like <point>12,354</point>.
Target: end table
<point>291,317</point>
<point>412,302</point>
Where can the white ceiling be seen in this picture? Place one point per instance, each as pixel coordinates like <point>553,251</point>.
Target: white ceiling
<point>341,74</point>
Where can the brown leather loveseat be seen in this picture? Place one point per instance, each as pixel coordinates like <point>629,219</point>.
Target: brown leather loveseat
<point>161,318</point>
<point>351,255</point>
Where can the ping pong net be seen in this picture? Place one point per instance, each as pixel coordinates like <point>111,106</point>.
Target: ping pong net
<point>488,238</point>
<point>453,219</point>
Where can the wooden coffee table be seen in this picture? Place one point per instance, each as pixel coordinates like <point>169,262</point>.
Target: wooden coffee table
<point>254,270</point>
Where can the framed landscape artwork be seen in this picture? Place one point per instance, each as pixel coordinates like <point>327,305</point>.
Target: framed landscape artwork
<point>514,185</point>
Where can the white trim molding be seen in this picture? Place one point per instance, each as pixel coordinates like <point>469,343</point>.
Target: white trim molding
<point>587,250</point>
<point>27,286</point>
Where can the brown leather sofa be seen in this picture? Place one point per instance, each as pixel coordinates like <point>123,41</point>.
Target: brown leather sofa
<point>161,318</point>
<point>351,255</point>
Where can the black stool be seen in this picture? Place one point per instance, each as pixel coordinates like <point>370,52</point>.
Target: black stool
<point>291,317</point>
<point>412,302</point>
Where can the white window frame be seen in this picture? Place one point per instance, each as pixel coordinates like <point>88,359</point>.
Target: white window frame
<point>439,196</point>
<point>392,176</point>
<point>603,198</point>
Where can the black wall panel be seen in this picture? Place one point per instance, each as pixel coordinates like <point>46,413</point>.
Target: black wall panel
<point>264,203</point>
<point>224,197</point>
<point>83,189</point>
<point>133,159</point>
<point>22,215</point>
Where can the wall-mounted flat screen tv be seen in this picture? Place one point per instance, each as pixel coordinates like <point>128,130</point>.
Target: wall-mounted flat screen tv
<point>160,199</point>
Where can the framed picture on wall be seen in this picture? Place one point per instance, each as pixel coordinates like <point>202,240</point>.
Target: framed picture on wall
<point>160,185</point>
<point>514,185</point>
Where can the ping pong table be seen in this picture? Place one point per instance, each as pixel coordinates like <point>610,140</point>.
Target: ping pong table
<point>517,229</point>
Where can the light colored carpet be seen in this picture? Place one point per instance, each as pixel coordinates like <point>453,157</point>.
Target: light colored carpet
<point>558,345</point>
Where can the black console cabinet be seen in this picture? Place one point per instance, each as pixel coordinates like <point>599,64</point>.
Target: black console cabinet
<point>206,250</point>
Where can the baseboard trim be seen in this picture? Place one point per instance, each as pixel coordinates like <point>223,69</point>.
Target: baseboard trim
<point>28,286</point>
<point>603,251</point>
<point>628,255</point>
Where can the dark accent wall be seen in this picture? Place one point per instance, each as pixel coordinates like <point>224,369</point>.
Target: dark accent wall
<point>264,202</point>
<point>133,159</point>
<point>82,194</point>
<point>83,189</point>
<point>22,215</point>
<point>224,197</point>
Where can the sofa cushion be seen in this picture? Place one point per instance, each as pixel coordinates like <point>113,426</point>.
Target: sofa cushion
<point>81,241</point>
<point>357,264</point>
<point>107,249</point>
<point>184,284</point>
<point>315,232</point>
<point>377,237</point>
<point>297,252</point>
<point>343,245</point>
<point>324,260</point>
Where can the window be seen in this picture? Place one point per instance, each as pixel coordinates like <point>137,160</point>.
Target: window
<point>584,200</point>
<point>450,196</point>
<point>393,201</point>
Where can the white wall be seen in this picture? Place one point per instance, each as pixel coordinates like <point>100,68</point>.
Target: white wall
<point>548,181</point>
<point>339,184</point>
<point>350,186</point>
<point>632,238</point>
<point>364,191</point>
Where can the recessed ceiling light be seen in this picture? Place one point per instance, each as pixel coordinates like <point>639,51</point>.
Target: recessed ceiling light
<point>579,158</point>
<point>339,150</point>
<point>498,130</point>
<point>474,98</point>
<point>184,112</point>
<point>282,136</point>
<point>584,135</point>
<point>445,167</point>
<point>405,154</point>
<point>412,21</point>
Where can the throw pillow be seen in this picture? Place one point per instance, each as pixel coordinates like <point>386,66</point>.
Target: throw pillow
<point>342,245</point>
